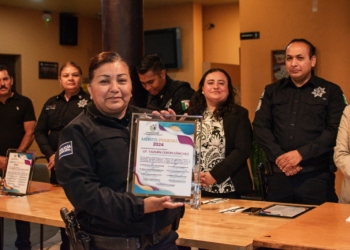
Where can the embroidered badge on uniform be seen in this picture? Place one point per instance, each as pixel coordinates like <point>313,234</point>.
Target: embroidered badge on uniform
<point>185,104</point>
<point>168,104</point>
<point>82,103</point>
<point>318,92</point>
<point>65,149</point>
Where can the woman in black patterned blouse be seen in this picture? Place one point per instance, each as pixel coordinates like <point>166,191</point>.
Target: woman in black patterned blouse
<point>225,138</point>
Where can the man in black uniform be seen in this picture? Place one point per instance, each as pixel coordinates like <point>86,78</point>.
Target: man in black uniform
<point>163,91</point>
<point>296,124</point>
<point>17,123</point>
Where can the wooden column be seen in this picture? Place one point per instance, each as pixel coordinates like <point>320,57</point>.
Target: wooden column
<point>122,32</point>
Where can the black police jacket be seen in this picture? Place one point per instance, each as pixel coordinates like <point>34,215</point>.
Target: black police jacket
<point>305,119</point>
<point>175,95</point>
<point>92,167</point>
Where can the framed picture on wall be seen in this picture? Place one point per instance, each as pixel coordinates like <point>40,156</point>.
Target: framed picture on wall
<point>48,70</point>
<point>278,65</point>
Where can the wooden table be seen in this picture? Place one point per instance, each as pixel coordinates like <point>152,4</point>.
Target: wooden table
<point>42,207</point>
<point>205,228</point>
<point>324,227</point>
<point>209,229</point>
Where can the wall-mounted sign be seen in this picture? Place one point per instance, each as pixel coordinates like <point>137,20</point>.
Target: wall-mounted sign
<point>250,35</point>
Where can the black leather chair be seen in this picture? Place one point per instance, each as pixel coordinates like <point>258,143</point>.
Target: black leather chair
<point>41,174</point>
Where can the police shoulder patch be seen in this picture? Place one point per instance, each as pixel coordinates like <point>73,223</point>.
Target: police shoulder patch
<point>65,149</point>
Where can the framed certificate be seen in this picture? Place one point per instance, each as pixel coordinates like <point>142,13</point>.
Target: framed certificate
<point>163,155</point>
<point>285,211</point>
<point>18,172</point>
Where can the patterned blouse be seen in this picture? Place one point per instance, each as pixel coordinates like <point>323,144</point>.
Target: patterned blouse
<point>213,150</point>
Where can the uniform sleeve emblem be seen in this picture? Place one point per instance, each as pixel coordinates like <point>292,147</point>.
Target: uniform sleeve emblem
<point>345,101</point>
<point>65,149</point>
<point>318,92</point>
<point>262,95</point>
<point>259,105</point>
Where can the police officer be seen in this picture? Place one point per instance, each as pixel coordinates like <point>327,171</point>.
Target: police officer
<point>56,113</point>
<point>296,124</point>
<point>92,167</point>
<point>163,91</point>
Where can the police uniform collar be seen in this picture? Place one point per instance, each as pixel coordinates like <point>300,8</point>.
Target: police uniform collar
<point>112,121</point>
<point>79,94</point>
<point>287,82</point>
<point>313,81</point>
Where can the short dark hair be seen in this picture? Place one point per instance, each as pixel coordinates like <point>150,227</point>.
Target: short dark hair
<point>103,58</point>
<point>198,103</point>
<point>3,67</point>
<point>312,49</point>
<point>150,62</point>
<point>73,64</point>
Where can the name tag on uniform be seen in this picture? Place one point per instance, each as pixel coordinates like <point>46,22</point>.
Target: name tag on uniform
<point>50,107</point>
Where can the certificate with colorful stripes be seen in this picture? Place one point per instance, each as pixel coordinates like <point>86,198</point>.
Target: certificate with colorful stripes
<point>18,172</point>
<point>164,158</point>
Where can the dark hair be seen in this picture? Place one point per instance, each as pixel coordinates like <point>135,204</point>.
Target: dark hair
<point>150,62</point>
<point>73,64</point>
<point>198,103</point>
<point>103,58</point>
<point>3,67</point>
<point>312,49</point>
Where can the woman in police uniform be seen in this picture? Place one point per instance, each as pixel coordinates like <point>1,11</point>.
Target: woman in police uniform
<point>92,167</point>
<point>56,113</point>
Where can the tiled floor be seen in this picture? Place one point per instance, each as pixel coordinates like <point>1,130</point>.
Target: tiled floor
<point>52,236</point>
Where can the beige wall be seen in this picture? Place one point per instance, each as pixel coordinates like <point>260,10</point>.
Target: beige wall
<point>221,43</point>
<point>279,22</point>
<point>24,33</point>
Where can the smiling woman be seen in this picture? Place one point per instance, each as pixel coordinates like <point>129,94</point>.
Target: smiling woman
<point>226,137</point>
<point>93,168</point>
<point>56,113</point>
<point>110,86</point>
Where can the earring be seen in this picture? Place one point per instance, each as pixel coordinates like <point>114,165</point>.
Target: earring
<point>202,92</point>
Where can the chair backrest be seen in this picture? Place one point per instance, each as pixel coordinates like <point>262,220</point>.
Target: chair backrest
<point>262,177</point>
<point>40,173</point>
<point>256,158</point>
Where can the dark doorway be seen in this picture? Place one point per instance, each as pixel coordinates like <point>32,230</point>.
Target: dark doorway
<point>12,62</point>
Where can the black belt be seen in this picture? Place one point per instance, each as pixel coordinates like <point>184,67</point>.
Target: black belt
<point>131,243</point>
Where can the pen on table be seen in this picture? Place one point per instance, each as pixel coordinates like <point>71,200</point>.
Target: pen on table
<point>212,201</point>
<point>231,209</point>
